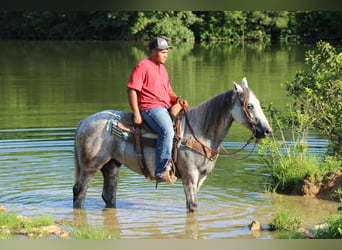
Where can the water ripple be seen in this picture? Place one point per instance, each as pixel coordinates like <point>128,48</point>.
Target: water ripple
<point>37,175</point>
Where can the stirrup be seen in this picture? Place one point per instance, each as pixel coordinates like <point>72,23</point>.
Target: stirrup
<point>170,173</point>
<point>167,176</point>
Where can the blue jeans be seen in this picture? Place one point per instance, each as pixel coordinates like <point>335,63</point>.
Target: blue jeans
<point>160,121</point>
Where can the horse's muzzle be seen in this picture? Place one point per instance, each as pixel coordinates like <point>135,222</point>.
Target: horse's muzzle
<point>263,132</point>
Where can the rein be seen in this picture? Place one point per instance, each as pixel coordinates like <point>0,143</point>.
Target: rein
<point>232,155</point>
<point>204,147</point>
<point>244,105</point>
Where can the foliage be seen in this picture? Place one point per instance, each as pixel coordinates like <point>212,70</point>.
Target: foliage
<point>318,92</point>
<point>176,25</point>
<point>338,193</point>
<point>331,21</point>
<point>333,229</point>
<point>318,95</point>
<point>267,25</point>
<point>286,235</point>
<point>171,24</point>
<point>91,233</point>
<point>228,25</point>
<point>10,222</point>
<point>290,227</point>
<point>285,221</point>
<point>288,164</point>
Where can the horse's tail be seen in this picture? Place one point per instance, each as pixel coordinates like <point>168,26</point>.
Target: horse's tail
<point>77,164</point>
<point>77,167</point>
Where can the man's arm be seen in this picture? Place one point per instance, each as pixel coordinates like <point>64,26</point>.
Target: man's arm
<point>133,102</point>
<point>173,97</point>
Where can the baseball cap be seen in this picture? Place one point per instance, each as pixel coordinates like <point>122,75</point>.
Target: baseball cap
<point>159,43</point>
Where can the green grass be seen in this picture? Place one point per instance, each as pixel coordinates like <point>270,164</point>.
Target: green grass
<point>13,226</point>
<point>285,221</point>
<point>10,223</point>
<point>289,164</point>
<point>290,227</point>
<point>88,232</point>
<point>285,235</point>
<point>334,229</point>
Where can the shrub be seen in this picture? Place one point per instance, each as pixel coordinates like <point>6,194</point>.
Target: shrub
<point>285,221</point>
<point>288,161</point>
<point>92,233</point>
<point>333,229</point>
<point>288,165</point>
<point>318,92</point>
<point>10,223</point>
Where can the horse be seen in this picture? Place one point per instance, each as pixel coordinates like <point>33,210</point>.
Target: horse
<point>207,123</point>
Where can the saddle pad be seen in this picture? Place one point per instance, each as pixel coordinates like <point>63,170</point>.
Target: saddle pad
<point>121,125</point>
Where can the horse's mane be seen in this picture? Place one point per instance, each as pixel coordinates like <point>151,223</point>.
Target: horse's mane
<point>210,114</point>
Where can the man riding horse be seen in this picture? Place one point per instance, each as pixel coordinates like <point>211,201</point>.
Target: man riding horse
<point>151,96</point>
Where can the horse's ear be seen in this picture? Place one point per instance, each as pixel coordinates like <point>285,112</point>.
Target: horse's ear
<point>244,83</point>
<point>237,87</point>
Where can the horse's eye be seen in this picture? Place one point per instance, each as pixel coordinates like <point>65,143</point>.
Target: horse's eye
<point>250,106</point>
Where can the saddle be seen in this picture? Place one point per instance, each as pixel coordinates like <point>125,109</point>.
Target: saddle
<point>121,125</point>
<point>126,122</point>
<point>145,136</point>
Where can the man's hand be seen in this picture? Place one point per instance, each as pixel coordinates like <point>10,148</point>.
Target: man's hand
<point>183,103</point>
<point>137,120</point>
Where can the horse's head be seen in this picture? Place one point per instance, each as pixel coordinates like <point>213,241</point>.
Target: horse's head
<point>247,110</point>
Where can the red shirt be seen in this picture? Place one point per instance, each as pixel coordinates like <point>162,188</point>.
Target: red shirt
<point>151,81</point>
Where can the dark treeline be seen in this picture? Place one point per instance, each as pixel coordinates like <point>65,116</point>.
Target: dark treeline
<point>175,25</point>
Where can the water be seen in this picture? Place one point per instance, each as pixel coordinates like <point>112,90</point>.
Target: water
<point>47,87</point>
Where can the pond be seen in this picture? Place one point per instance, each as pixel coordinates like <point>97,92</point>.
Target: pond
<point>47,87</point>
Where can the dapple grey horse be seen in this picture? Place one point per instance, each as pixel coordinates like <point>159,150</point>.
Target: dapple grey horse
<point>209,122</point>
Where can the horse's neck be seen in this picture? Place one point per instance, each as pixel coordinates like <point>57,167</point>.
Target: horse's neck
<point>212,119</point>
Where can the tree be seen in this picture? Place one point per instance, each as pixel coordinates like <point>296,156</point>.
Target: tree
<point>175,25</point>
<point>318,92</point>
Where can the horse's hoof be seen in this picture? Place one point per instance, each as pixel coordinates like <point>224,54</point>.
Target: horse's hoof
<point>77,205</point>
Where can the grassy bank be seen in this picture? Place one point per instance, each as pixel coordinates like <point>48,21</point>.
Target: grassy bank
<point>13,226</point>
<point>284,223</point>
<point>290,167</point>
<point>290,227</point>
<point>17,226</point>
<point>290,164</point>
<point>317,94</point>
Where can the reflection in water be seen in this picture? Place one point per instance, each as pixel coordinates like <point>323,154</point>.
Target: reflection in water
<point>37,178</point>
<point>80,218</point>
<point>56,84</point>
<point>112,225</point>
<point>208,224</point>
<point>110,221</point>
<point>191,227</point>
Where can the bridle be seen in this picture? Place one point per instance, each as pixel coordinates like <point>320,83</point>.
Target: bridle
<point>244,107</point>
<point>251,124</point>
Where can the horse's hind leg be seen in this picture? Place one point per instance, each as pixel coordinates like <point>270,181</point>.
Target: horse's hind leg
<point>110,172</point>
<point>81,187</point>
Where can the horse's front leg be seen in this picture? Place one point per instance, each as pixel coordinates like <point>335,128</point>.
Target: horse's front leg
<point>190,185</point>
